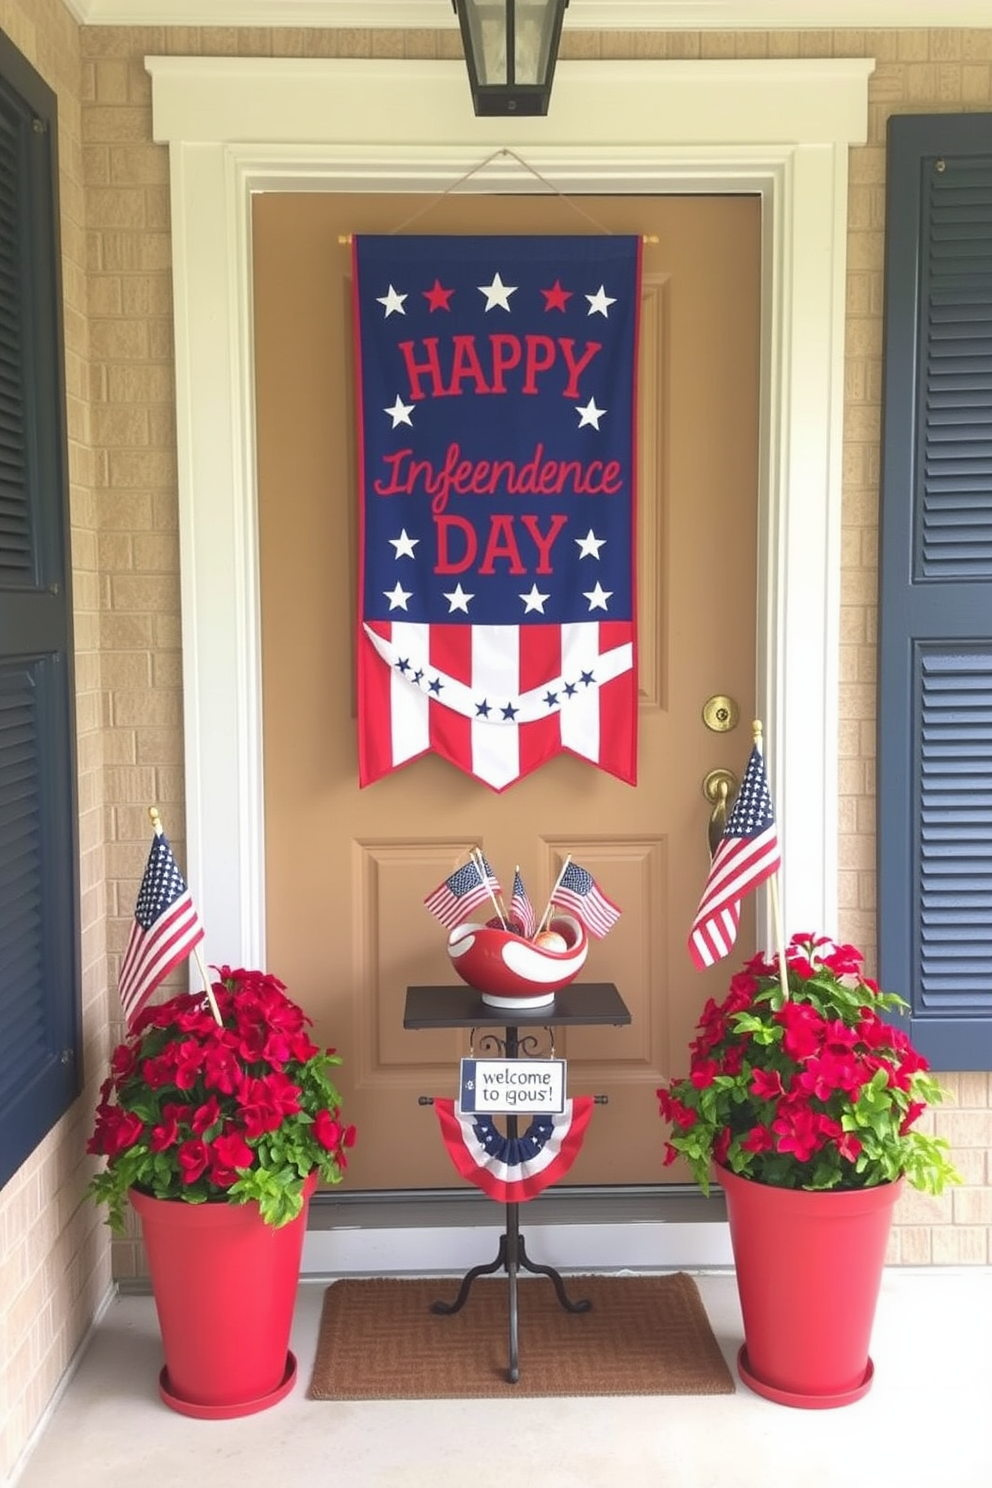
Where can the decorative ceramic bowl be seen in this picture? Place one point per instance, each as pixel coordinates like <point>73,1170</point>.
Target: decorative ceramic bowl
<point>511,972</point>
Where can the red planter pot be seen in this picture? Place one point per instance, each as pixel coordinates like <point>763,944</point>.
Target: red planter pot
<point>809,1270</point>
<point>225,1286</point>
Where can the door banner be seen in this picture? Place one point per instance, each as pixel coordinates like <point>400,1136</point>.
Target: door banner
<point>496,395</point>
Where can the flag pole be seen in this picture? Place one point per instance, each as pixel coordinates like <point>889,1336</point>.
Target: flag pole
<point>475,853</point>
<point>208,989</point>
<point>156,821</point>
<point>516,875</point>
<point>551,896</point>
<point>783,974</point>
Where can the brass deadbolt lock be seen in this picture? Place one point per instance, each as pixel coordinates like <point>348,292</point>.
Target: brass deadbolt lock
<point>721,714</point>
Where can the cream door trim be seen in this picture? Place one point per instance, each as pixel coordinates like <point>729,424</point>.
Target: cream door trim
<point>237,126</point>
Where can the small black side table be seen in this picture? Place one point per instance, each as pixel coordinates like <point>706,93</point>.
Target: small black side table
<point>580,1004</point>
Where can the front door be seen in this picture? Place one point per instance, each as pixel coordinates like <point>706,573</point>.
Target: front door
<point>347,870</point>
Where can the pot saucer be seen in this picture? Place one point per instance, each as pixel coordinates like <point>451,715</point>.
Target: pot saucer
<point>804,1402</point>
<point>229,1412</point>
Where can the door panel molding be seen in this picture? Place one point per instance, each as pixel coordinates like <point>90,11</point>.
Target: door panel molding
<point>780,129</point>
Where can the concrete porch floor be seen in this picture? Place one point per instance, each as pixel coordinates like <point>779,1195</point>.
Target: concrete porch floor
<point>925,1419</point>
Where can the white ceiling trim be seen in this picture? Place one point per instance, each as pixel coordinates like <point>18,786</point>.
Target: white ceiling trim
<point>736,131</point>
<point>582,15</point>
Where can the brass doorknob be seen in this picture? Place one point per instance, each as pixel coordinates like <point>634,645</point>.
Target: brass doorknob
<point>719,787</point>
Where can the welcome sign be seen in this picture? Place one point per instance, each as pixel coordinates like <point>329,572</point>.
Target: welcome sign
<point>496,407</point>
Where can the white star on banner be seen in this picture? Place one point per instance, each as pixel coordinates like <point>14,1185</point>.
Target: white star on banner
<point>458,599</point>
<point>398,597</point>
<point>534,600</point>
<point>600,302</point>
<point>590,414</point>
<point>497,293</point>
<point>597,597</point>
<point>404,545</point>
<point>590,545</point>
<point>400,412</point>
<point>393,302</point>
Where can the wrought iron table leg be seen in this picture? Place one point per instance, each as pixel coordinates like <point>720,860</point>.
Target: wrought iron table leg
<point>498,1264</point>
<point>582,1305</point>
<point>513,1248</point>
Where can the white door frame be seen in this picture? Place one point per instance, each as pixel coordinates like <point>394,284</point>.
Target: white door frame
<point>239,126</point>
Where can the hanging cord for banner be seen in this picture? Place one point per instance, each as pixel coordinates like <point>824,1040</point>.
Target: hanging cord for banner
<point>503,153</point>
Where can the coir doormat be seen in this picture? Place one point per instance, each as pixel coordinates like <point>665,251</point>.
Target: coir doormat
<point>644,1335</point>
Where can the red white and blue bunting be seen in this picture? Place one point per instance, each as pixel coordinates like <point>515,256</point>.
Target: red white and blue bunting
<point>514,1169</point>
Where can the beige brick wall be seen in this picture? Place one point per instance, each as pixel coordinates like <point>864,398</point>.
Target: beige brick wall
<point>117,254</point>
<point>54,1255</point>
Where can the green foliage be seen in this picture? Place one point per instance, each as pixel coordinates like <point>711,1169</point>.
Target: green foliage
<point>237,1111</point>
<point>806,1086</point>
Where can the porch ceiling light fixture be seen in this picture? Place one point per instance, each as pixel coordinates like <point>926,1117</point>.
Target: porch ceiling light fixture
<point>511,47</point>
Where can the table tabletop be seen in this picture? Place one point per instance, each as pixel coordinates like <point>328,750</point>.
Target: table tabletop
<point>461,1006</point>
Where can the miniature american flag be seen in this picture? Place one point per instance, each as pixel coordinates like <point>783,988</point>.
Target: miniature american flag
<point>579,892</point>
<point>461,892</point>
<point>747,854</point>
<point>166,928</point>
<point>521,909</point>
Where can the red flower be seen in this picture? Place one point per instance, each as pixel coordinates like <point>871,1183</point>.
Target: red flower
<point>832,1071</point>
<point>206,1116</point>
<point>849,1146</point>
<point>303,1048</point>
<point>872,1032</point>
<point>758,1139</point>
<point>844,960</point>
<point>894,1074</point>
<point>914,1111</point>
<point>704,1072</point>
<point>674,1111</point>
<point>165,1135</point>
<point>192,1157</point>
<point>221,1069</point>
<point>124,1062</point>
<point>803,1029</point>
<point>228,1153</point>
<point>117,1130</point>
<point>733,1060</point>
<point>264,1103</point>
<point>712,1025</point>
<point>837,1032</point>
<point>327,1130</point>
<point>767,1084</point>
<point>743,987</point>
<point>797,1130</point>
<point>158,1072</point>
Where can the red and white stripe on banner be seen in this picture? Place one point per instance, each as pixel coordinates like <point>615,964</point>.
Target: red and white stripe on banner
<point>498,701</point>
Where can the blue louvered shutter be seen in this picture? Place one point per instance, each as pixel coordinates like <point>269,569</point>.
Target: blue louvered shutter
<point>935,614</point>
<point>39,934</point>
